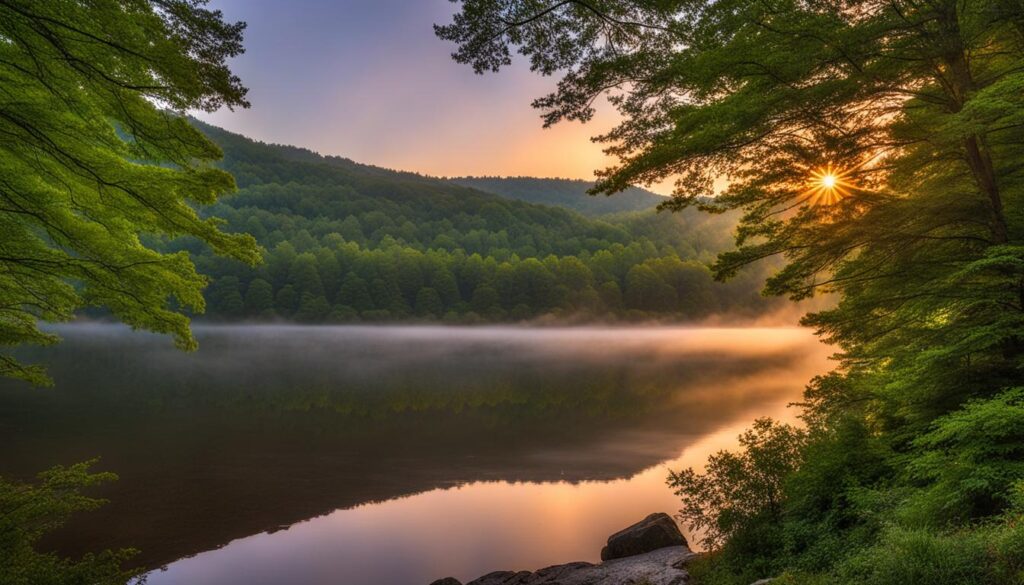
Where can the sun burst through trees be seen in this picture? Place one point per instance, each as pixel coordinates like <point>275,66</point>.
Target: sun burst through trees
<point>828,185</point>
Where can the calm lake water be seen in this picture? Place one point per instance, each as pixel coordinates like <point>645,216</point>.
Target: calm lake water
<point>387,455</point>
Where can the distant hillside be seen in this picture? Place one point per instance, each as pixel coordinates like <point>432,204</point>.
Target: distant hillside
<point>289,189</point>
<point>567,193</point>
<point>350,242</point>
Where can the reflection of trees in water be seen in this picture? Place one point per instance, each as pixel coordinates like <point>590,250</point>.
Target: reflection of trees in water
<point>254,433</point>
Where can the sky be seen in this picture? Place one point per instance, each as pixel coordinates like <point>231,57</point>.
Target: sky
<point>368,80</point>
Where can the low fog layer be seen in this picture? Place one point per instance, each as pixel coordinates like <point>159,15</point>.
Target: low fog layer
<point>267,425</point>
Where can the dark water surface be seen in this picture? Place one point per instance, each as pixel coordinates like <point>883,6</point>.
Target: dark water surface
<point>376,455</point>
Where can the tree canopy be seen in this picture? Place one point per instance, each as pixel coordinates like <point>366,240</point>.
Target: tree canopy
<point>96,154</point>
<point>350,242</point>
<point>877,147</point>
<point>564,193</point>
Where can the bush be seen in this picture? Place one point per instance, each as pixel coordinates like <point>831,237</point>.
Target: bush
<point>986,555</point>
<point>721,568</point>
<point>969,461</point>
<point>739,494</point>
<point>28,511</point>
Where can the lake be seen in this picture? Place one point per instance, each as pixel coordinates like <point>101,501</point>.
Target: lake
<point>372,455</point>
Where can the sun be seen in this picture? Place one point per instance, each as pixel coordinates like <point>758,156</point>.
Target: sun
<point>828,185</point>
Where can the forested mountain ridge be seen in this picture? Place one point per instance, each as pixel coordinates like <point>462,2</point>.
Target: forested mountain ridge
<point>351,242</point>
<point>567,193</point>
<point>371,202</point>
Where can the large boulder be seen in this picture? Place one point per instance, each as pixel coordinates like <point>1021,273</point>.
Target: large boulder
<point>665,566</point>
<point>652,551</point>
<point>447,581</point>
<point>656,531</point>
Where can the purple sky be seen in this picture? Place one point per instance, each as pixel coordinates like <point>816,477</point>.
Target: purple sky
<point>367,79</point>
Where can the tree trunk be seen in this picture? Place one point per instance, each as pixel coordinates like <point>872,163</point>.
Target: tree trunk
<point>980,162</point>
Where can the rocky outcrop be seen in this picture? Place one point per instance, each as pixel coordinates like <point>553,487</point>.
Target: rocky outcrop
<point>655,563</point>
<point>664,566</point>
<point>653,532</point>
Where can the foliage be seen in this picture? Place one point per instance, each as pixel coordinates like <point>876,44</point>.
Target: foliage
<point>568,193</point>
<point>913,442</point>
<point>984,555</point>
<point>739,492</point>
<point>349,283</point>
<point>348,242</point>
<point>970,460</point>
<point>94,156</point>
<point>28,511</point>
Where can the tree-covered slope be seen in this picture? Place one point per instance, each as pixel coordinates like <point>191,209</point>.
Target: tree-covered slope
<point>567,193</point>
<point>347,242</point>
<point>365,203</point>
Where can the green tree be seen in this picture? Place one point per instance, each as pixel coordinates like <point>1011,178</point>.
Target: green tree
<point>485,300</point>
<point>428,303</point>
<point>29,511</point>
<point>286,301</point>
<point>259,298</point>
<point>254,227</point>
<point>409,272</point>
<point>471,274</point>
<point>312,308</point>
<point>574,274</point>
<point>354,293</point>
<point>443,281</point>
<point>875,146</point>
<point>537,284</point>
<point>304,277</point>
<point>611,295</point>
<point>279,263</point>
<point>328,269</point>
<point>351,229</point>
<point>225,298</point>
<point>388,296</point>
<point>739,491</point>
<point>96,154</point>
<point>645,290</point>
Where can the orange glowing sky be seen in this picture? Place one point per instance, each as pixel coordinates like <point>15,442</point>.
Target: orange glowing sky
<point>367,80</point>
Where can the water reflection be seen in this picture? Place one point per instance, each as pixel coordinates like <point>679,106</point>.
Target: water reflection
<point>265,427</point>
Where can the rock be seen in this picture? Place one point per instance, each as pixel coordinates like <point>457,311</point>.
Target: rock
<point>503,578</point>
<point>763,581</point>
<point>447,581</point>
<point>652,552</point>
<point>663,566</point>
<point>653,532</point>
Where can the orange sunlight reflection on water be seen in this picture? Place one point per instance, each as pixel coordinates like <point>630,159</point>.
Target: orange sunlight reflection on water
<point>474,528</point>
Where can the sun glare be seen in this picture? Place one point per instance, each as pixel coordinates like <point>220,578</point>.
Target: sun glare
<point>828,185</point>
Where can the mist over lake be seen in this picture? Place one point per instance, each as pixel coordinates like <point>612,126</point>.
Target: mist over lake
<point>390,454</point>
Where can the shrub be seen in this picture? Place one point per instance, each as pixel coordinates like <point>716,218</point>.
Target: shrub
<point>969,461</point>
<point>740,492</point>
<point>28,511</point>
<point>990,554</point>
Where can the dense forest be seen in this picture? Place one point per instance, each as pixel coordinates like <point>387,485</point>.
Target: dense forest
<point>348,242</point>
<point>568,193</point>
